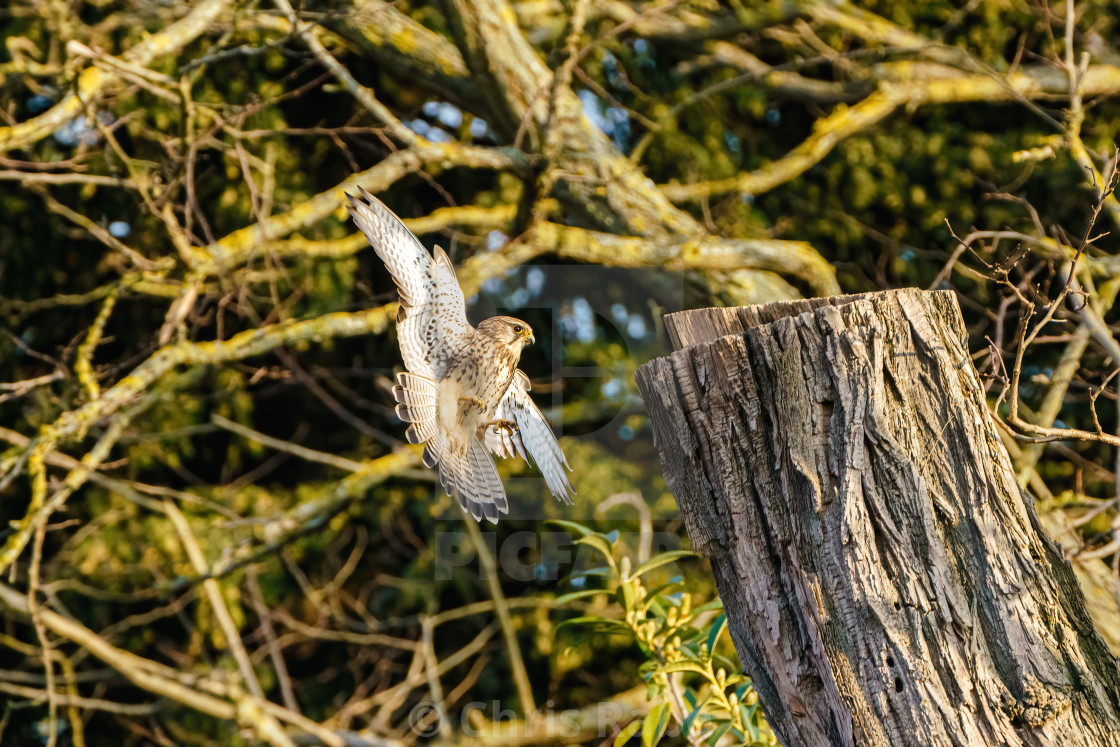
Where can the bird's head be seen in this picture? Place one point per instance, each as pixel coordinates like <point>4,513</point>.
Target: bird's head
<point>507,330</point>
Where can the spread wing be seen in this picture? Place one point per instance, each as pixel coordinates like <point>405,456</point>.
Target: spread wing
<point>432,321</point>
<point>533,438</point>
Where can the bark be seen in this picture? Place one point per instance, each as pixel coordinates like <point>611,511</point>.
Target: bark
<point>515,84</point>
<point>885,579</point>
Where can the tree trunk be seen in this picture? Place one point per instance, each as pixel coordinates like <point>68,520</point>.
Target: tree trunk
<point>885,580</point>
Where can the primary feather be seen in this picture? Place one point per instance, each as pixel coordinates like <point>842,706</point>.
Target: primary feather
<point>460,379</point>
<point>432,320</point>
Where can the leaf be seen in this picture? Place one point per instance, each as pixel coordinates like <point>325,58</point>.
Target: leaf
<point>715,604</point>
<point>687,632</point>
<point>656,608</point>
<point>628,594</point>
<point>686,726</point>
<point>718,660</point>
<point>659,560</point>
<point>650,601</point>
<point>598,571</point>
<point>630,730</point>
<point>659,590</point>
<point>714,633</point>
<point>746,712</point>
<point>590,619</point>
<point>718,734</point>
<point>571,526</point>
<point>574,595</point>
<point>600,543</point>
<point>586,635</point>
<point>655,723</point>
<point>691,650</point>
<point>684,666</point>
<point>600,625</point>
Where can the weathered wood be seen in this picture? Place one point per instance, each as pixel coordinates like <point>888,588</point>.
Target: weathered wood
<point>886,582</point>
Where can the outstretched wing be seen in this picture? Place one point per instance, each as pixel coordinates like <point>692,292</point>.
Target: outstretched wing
<point>533,438</point>
<point>432,321</point>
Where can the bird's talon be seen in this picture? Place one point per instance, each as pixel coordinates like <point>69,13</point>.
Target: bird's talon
<point>504,425</point>
<point>476,401</point>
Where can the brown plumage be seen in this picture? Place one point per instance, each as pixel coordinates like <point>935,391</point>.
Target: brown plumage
<point>463,393</point>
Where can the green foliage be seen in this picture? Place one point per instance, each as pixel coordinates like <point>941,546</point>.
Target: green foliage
<point>689,680</point>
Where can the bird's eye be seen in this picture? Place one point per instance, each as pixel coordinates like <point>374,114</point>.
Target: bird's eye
<point>518,329</point>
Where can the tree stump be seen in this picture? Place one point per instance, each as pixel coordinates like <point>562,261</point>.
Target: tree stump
<point>886,582</point>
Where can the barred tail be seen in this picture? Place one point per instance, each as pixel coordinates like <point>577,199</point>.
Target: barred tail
<point>467,471</point>
<point>416,398</point>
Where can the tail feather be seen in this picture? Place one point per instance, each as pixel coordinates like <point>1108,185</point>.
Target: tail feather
<point>466,469</point>
<point>482,465</point>
<point>484,488</point>
<point>468,473</point>
<point>413,407</point>
<point>419,433</point>
<point>416,398</point>
<point>454,470</point>
<point>439,454</point>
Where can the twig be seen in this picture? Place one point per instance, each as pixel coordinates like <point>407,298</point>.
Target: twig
<point>214,595</point>
<point>92,80</point>
<point>94,704</point>
<point>827,133</point>
<point>364,95</point>
<point>418,677</point>
<point>149,675</point>
<point>83,368</point>
<point>27,178</point>
<point>275,655</point>
<point>431,667</point>
<point>490,572</point>
<point>333,404</point>
<point>46,648</point>
<point>1027,337</point>
<point>302,452</point>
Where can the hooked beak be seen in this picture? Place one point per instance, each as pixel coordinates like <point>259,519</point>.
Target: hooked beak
<point>532,339</point>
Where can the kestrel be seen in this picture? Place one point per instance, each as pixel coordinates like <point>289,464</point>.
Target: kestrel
<point>462,393</point>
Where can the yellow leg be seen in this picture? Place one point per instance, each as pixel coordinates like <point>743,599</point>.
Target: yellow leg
<point>466,404</point>
<point>477,402</point>
<point>503,425</point>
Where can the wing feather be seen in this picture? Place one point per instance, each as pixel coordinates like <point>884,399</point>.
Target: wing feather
<point>432,321</point>
<point>533,438</point>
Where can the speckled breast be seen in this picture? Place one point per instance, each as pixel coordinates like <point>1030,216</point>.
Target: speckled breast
<point>485,371</point>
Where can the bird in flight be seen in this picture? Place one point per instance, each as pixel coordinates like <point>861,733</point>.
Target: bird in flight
<point>463,394</point>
